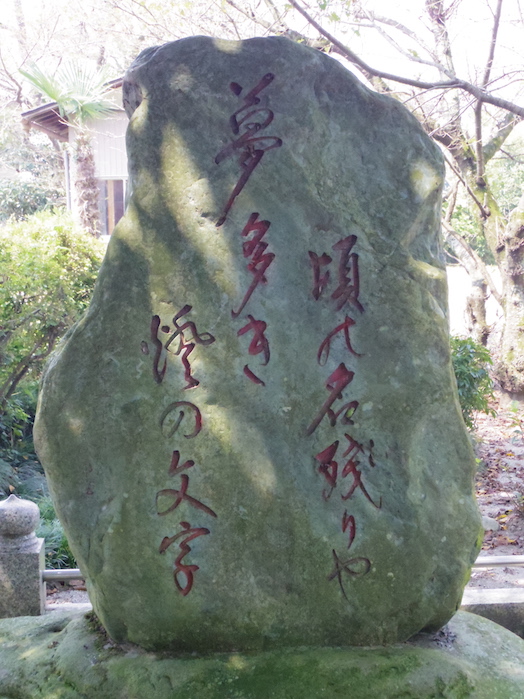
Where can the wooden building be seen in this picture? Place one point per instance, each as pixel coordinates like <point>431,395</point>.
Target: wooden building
<point>108,142</point>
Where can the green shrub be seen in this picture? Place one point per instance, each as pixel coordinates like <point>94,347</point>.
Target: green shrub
<point>57,551</point>
<point>20,471</point>
<point>32,169</point>
<point>475,387</point>
<point>19,199</point>
<point>48,269</point>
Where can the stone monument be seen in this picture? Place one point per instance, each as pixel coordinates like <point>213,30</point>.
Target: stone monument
<point>253,437</point>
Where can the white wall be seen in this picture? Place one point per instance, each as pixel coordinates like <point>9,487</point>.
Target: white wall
<point>109,146</point>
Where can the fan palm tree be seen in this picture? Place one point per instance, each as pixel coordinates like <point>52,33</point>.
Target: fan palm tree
<point>80,94</point>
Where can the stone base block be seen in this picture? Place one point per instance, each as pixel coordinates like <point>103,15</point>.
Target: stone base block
<point>67,655</point>
<point>504,606</point>
<point>22,592</point>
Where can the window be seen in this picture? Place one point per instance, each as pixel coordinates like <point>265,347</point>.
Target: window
<point>110,203</point>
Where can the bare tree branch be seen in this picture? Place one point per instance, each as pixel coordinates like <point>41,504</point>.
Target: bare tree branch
<point>411,56</point>
<point>484,213</point>
<point>478,144</point>
<point>438,16</point>
<point>452,201</point>
<point>12,79</point>
<point>275,12</point>
<point>497,140</point>
<point>493,44</point>
<point>250,15</point>
<point>478,107</point>
<point>370,72</point>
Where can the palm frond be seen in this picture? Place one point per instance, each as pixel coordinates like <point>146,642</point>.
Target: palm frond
<point>46,84</point>
<point>78,89</point>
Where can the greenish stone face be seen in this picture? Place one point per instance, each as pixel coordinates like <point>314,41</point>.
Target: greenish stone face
<point>61,655</point>
<point>253,436</point>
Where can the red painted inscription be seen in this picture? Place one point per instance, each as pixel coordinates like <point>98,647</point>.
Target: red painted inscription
<point>328,467</point>
<point>330,470</point>
<point>187,534</point>
<point>319,280</point>
<point>346,293</point>
<point>169,429</point>
<point>348,276</point>
<point>352,568</point>
<point>351,469</point>
<point>325,347</point>
<point>187,336</point>
<point>180,496</point>
<point>255,248</point>
<point>336,383</point>
<point>349,525</point>
<point>246,123</point>
<point>259,345</point>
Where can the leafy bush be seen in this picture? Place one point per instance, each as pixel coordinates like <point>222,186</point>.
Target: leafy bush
<point>466,223</point>
<point>32,169</point>
<point>475,388</point>
<point>57,551</point>
<point>19,199</point>
<point>20,471</point>
<point>48,270</point>
<point>506,176</point>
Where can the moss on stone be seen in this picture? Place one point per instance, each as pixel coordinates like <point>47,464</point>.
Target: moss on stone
<point>273,568</point>
<point>61,657</point>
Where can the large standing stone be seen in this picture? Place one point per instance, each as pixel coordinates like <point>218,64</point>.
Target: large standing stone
<point>253,436</point>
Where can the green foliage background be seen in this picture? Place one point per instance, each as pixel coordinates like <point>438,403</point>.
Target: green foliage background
<point>506,175</point>
<point>47,273</point>
<point>48,269</point>
<point>475,387</point>
<point>31,170</point>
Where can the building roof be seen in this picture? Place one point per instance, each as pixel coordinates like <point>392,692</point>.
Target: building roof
<point>47,117</point>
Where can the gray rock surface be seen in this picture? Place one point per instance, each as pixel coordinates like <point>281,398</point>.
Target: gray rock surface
<point>65,656</point>
<point>22,591</point>
<point>253,437</point>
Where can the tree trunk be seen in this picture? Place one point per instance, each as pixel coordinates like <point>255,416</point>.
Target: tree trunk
<point>506,241</point>
<point>480,280</point>
<point>476,311</point>
<point>86,185</point>
<point>509,370</point>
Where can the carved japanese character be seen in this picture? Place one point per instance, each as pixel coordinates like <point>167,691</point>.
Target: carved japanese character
<point>180,496</point>
<point>348,288</point>
<point>246,123</point>
<point>325,347</point>
<point>351,469</point>
<point>255,249</point>
<point>352,568</point>
<point>187,534</point>
<point>169,430</point>
<point>336,383</point>
<point>319,280</point>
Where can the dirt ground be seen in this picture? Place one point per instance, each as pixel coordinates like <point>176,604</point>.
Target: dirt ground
<point>499,447</point>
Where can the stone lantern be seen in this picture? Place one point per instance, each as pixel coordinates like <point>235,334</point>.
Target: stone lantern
<point>22,591</point>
